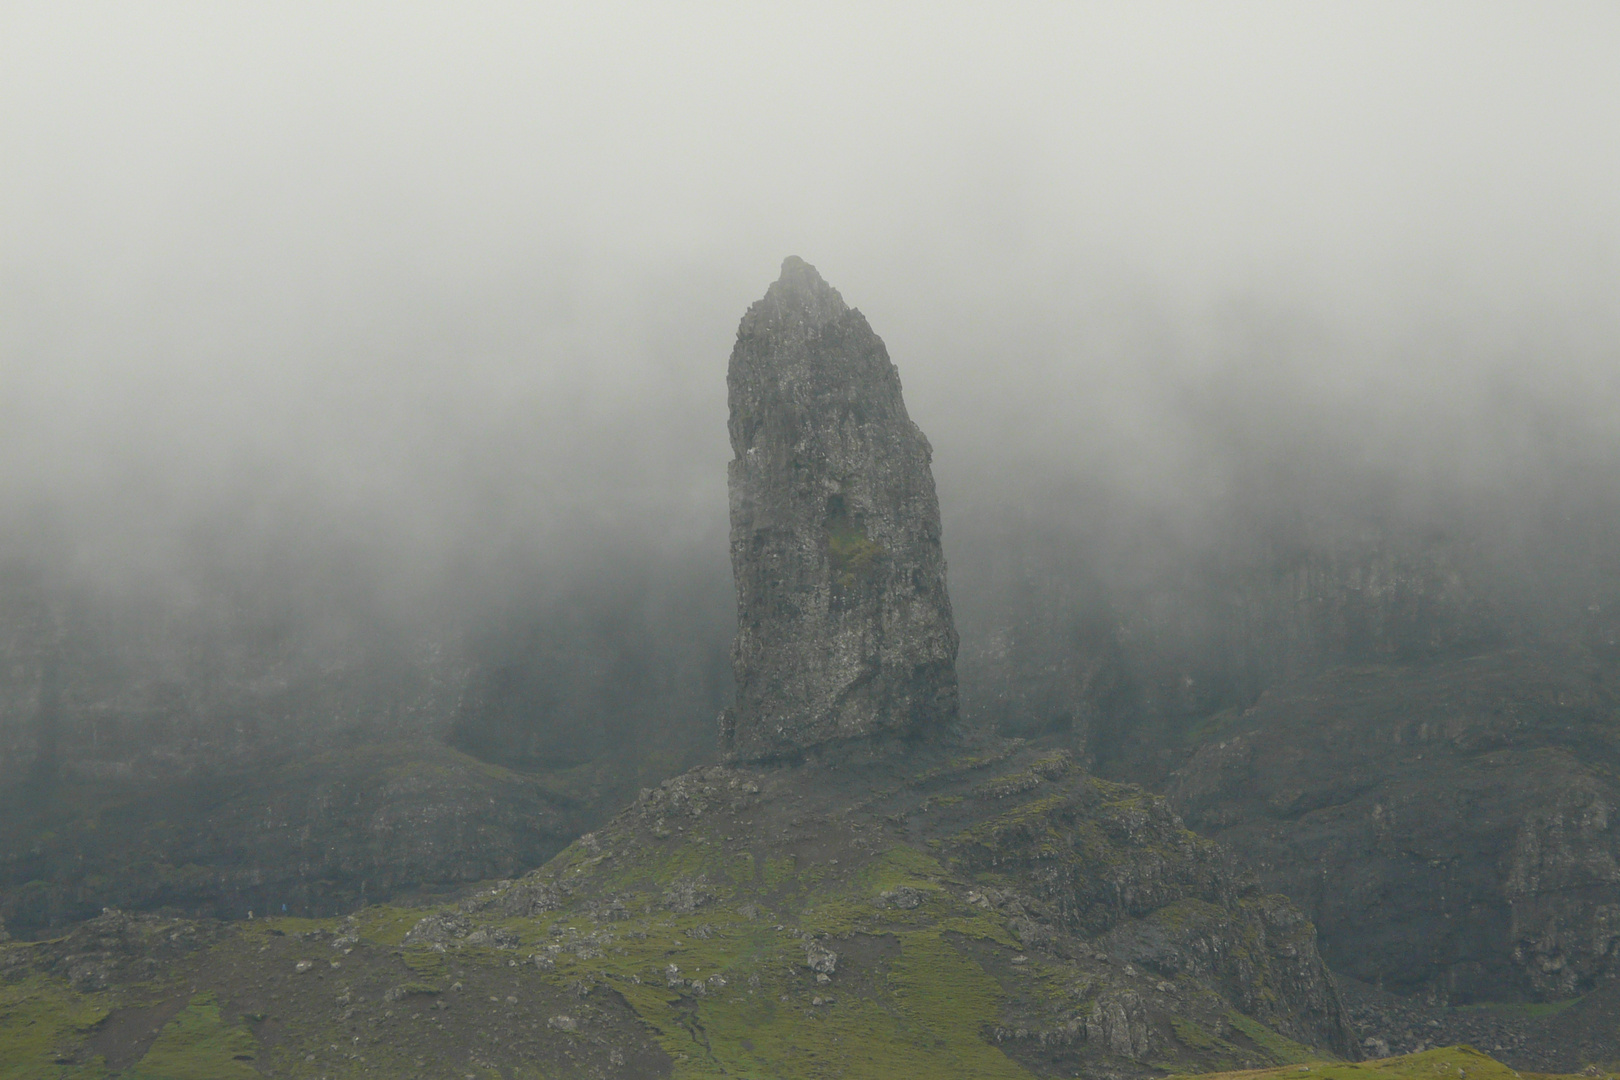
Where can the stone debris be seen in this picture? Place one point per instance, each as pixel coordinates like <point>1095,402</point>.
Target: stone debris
<point>445,928</point>
<point>687,895</point>
<point>438,929</point>
<point>498,936</point>
<point>819,958</point>
<point>530,897</point>
<point>905,897</point>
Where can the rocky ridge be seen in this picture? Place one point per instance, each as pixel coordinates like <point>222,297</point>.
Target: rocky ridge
<point>1086,927</point>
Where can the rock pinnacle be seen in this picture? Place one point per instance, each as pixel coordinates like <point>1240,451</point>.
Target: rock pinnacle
<point>844,628</point>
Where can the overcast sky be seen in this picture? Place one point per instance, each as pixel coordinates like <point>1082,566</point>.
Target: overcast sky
<point>486,261</point>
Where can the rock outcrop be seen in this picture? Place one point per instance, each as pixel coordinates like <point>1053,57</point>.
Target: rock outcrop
<point>844,625</point>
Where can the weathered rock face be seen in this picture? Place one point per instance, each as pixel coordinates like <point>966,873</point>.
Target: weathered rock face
<point>844,625</point>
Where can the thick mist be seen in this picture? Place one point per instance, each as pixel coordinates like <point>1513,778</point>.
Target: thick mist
<point>341,343</point>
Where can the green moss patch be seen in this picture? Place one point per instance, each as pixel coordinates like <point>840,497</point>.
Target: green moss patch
<point>1281,1048</point>
<point>1446,1063</point>
<point>43,1023</point>
<point>199,1045</point>
<point>752,1008</point>
<point>852,555</point>
<point>1535,1010</point>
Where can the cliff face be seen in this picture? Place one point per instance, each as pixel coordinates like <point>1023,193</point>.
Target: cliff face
<point>158,756</point>
<point>327,833</point>
<point>1406,732</point>
<point>1449,827</point>
<point>210,754</point>
<point>1057,639</point>
<point>844,625</point>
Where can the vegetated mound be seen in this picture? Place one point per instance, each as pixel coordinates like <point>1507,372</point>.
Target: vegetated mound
<point>997,913</point>
<point>1449,827</point>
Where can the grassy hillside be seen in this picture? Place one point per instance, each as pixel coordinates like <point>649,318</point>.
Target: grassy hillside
<point>1444,1063</point>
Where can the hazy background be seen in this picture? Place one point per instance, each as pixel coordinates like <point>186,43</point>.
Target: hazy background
<point>335,332</point>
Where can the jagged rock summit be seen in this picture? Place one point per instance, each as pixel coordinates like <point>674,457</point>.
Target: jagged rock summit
<point>844,628</point>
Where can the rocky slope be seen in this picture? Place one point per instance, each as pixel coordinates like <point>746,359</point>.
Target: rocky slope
<point>1567,1035</point>
<point>1088,929</point>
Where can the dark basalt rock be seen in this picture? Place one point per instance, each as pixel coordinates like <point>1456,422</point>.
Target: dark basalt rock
<point>844,625</point>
